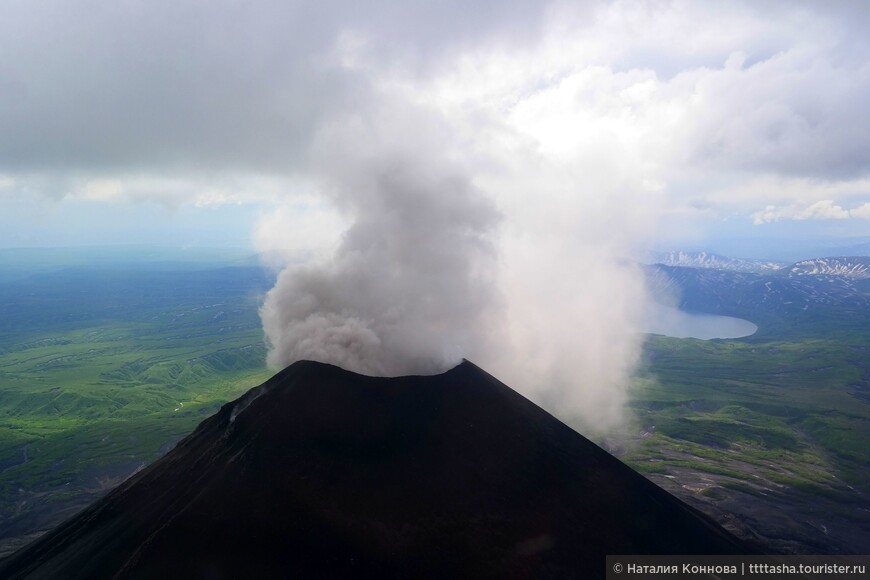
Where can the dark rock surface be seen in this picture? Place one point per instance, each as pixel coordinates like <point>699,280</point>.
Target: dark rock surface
<point>323,473</point>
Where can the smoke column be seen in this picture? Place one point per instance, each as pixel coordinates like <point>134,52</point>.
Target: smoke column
<point>411,287</point>
<point>440,264</point>
<point>473,233</point>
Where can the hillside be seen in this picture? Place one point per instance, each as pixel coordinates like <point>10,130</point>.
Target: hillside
<point>809,298</point>
<point>104,368</point>
<point>853,268</point>
<point>322,472</point>
<point>768,433</point>
<point>713,261</point>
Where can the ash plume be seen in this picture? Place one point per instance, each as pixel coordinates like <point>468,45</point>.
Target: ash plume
<point>438,265</point>
<point>411,287</point>
<point>468,236</point>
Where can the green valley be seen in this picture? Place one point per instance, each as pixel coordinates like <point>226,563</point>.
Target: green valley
<point>768,434</point>
<point>103,368</point>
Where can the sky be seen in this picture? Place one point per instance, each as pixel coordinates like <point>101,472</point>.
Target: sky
<point>438,180</point>
<point>198,123</point>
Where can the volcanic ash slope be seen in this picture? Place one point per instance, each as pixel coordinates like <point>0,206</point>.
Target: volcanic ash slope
<point>323,473</point>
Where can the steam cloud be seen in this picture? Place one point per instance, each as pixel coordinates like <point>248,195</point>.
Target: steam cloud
<point>439,265</point>
<point>411,287</point>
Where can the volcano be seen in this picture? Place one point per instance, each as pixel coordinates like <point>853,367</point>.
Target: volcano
<point>323,473</point>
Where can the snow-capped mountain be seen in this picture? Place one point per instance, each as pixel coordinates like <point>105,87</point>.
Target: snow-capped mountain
<point>714,262</point>
<point>855,267</point>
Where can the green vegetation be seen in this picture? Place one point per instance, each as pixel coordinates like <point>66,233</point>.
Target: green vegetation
<point>785,423</point>
<point>103,369</point>
<point>776,400</point>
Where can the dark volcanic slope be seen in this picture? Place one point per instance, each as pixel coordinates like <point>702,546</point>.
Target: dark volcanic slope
<point>322,473</point>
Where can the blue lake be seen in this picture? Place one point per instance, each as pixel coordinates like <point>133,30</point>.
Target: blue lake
<point>671,321</point>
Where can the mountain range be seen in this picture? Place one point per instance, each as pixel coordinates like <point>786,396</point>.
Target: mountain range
<point>854,267</point>
<point>712,261</point>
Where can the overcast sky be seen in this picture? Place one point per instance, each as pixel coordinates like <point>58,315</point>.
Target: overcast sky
<point>216,122</point>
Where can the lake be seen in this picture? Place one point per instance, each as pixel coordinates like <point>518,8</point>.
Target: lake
<point>676,323</point>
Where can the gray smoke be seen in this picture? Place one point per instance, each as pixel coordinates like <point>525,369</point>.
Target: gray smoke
<point>411,287</point>
<point>467,237</point>
<point>435,268</point>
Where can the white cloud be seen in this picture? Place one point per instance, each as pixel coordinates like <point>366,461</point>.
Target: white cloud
<point>172,192</point>
<point>699,98</point>
<point>744,192</point>
<point>100,190</point>
<point>302,230</point>
<point>861,212</point>
<point>215,198</point>
<point>824,209</point>
<point>725,110</point>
